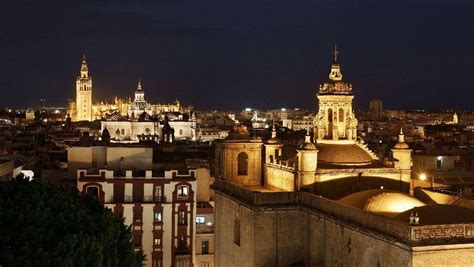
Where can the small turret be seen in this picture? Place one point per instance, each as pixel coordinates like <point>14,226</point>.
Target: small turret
<point>402,159</point>
<point>273,147</point>
<point>307,162</point>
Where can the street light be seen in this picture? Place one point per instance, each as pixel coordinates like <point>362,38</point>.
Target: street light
<point>424,176</point>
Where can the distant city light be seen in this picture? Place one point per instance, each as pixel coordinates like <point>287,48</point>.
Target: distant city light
<point>283,109</point>
<point>248,109</point>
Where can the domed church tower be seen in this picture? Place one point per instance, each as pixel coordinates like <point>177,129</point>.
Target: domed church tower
<point>335,119</point>
<point>139,104</point>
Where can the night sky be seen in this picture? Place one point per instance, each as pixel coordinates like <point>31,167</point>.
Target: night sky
<point>233,54</point>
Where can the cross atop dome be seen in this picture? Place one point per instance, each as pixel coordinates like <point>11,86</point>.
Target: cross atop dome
<point>335,53</point>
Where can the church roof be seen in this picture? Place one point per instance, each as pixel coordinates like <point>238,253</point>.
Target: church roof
<point>439,214</point>
<point>386,202</point>
<point>343,154</point>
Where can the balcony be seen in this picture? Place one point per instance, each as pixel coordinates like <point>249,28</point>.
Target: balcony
<point>138,199</point>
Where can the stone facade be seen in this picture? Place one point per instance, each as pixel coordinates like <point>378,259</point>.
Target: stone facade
<point>291,228</point>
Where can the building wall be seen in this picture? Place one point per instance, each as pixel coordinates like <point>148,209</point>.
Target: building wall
<point>204,182</point>
<point>125,157</point>
<point>204,259</point>
<point>140,158</point>
<point>147,229</point>
<point>267,238</point>
<point>336,244</point>
<point>227,161</point>
<point>129,130</point>
<point>286,235</point>
<point>280,176</point>
<point>446,255</point>
<point>422,163</point>
<point>6,170</point>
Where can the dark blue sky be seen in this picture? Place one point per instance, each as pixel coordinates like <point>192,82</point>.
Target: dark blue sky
<point>231,54</point>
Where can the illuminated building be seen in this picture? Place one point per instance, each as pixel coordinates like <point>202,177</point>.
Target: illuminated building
<point>83,105</point>
<point>331,202</point>
<point>159,205</point>
<point>83,108</point>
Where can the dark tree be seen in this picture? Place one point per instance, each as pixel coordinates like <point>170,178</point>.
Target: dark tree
<point>42,225</point>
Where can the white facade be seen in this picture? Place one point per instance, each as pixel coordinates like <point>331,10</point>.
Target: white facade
<point>131,130</point>
<point>160,208</point>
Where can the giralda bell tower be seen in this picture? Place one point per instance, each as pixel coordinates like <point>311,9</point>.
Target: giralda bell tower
<point>84,94</point>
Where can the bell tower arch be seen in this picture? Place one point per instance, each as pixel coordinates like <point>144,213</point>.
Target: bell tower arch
<point>335,119</point>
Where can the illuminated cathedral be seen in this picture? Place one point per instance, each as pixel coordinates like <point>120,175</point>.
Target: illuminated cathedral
<point>84,109</point>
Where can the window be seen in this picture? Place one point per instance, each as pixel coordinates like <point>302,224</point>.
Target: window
<point>123,132</point>
<point>341,115</point>
<point>205,247</point>
<point>200,219</point>
<point>137,239</point>
<point>242,162</point>
<point>182,241</point>
<point>438,162</point>
<point>119,192</point>
<point>92,191</point>
<point>138,193</point>
<point>158,195</point>
<point>204,264</point>
<point>157,216</point>
<point>180,131</point>
<point>182,218</point>
<point>157,241</point>
<point>183,260</point>
<point>329,115</point>
<point>183,191</point>
<point>137,216</point>
<point>157,263</point>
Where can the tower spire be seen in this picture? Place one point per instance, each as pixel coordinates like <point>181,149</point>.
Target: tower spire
<point>84,68</point>
<point>139,87</point>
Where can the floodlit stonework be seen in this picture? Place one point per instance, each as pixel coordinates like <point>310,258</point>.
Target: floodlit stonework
<point>84,109</point>
<point>330,202</point>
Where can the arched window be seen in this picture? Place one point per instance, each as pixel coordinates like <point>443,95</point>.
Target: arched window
<point>329,115</point>
<point>242,168</point>
<point>123,131</point>
<point>341,115</point>
<point>183,192</point>
<point>92,191</point>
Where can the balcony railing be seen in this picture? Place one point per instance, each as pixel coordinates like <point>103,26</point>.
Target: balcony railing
<point>138,199</point>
